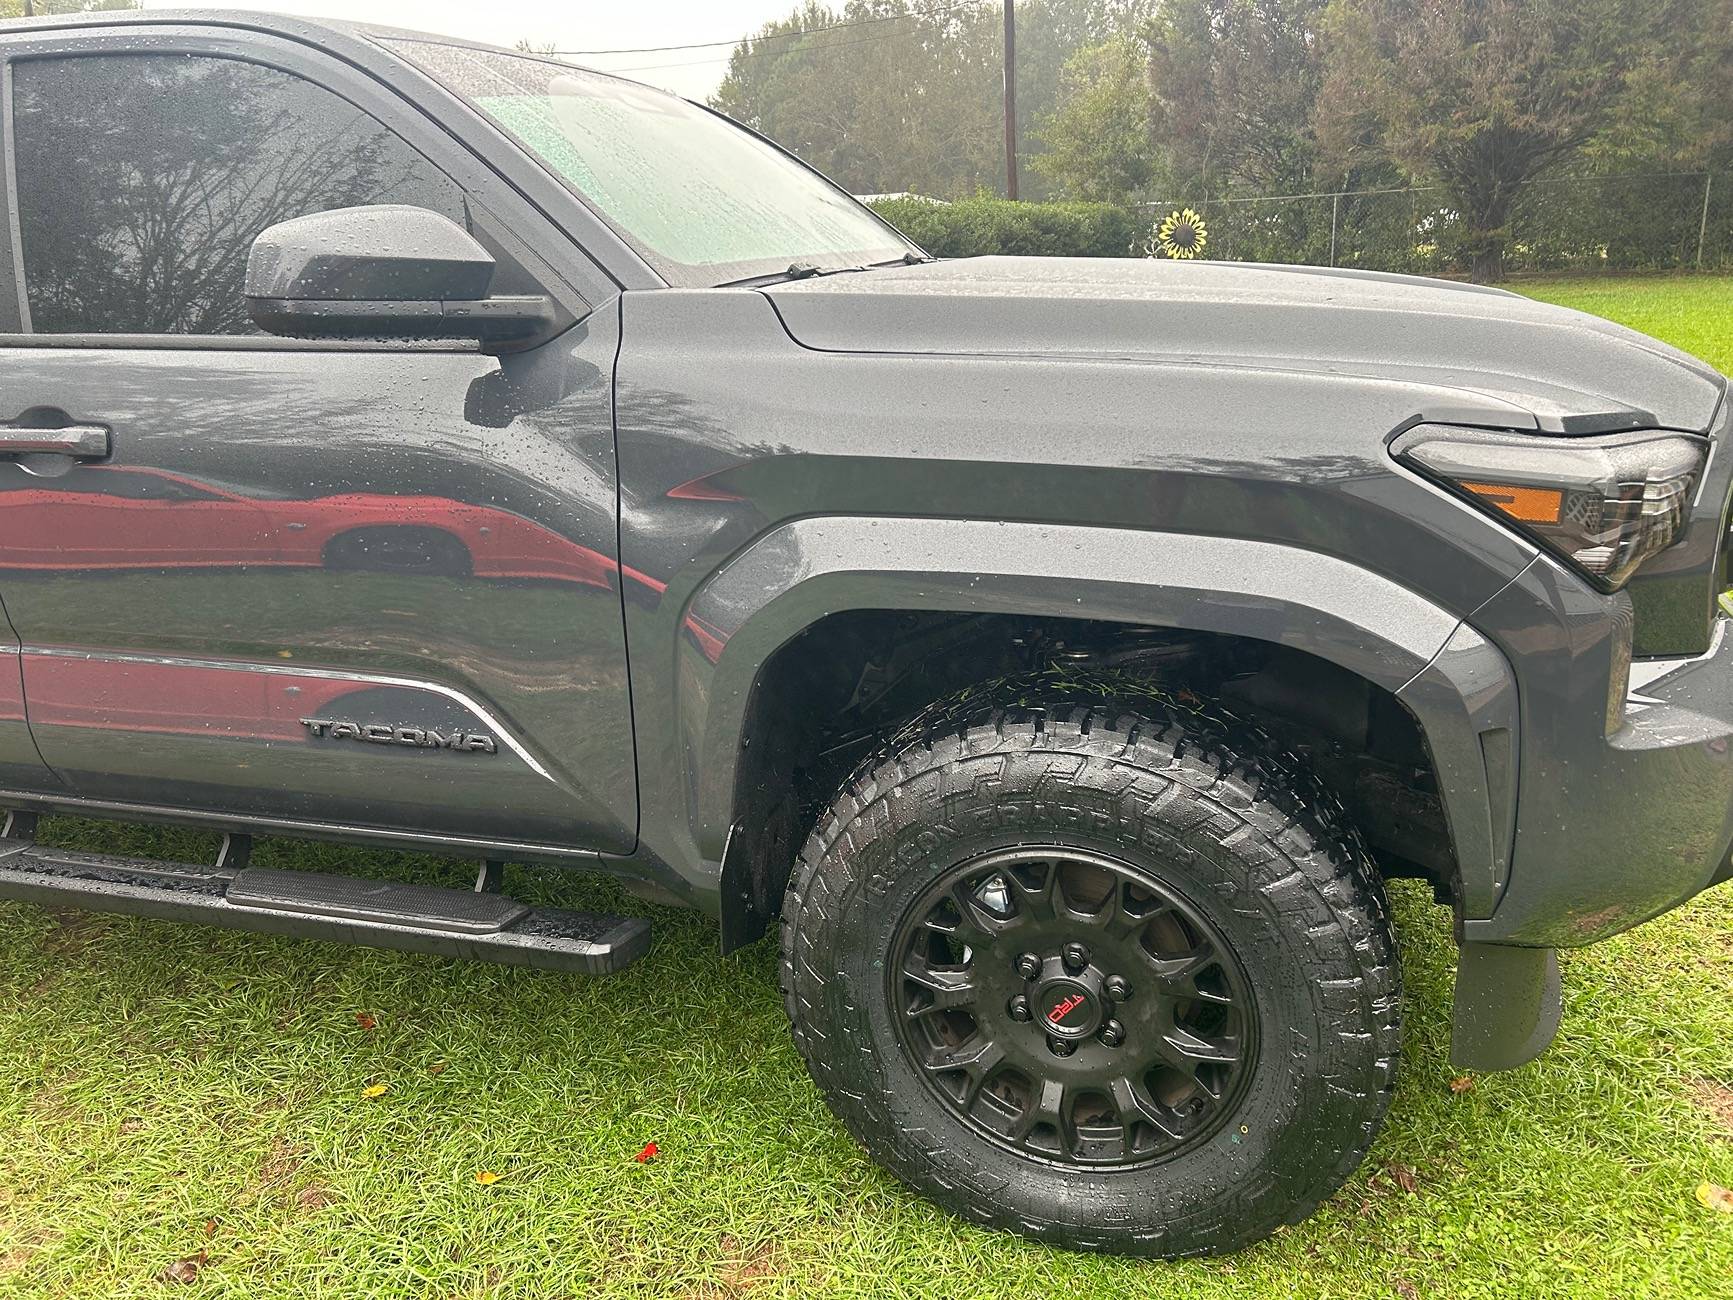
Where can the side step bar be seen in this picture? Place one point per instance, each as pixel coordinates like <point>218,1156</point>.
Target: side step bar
<point>482,925</point>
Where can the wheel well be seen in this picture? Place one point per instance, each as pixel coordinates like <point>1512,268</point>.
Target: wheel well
<point>828,700</point>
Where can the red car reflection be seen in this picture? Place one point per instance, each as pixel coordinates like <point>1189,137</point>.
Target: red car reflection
<point>119,517</point>
<point>115,517</point>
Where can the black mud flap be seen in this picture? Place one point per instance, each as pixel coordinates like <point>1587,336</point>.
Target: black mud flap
<point>1508,1005</point>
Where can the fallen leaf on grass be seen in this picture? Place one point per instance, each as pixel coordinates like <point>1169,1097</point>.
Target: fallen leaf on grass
<point>743,1269</point>
<point>487,1177</point>
<point>365,1020</point>
<point>1717,1099</point>
<point>1712,1196</point>
<point>649,1152</point>
<point>1462,1083</point>
<point>375,1090</point>
<point>184,1270</point>
<point>210,1227</point>
<point>313,1197</point>
<point>1404,1177</point>
<point>1406,1289</point>
<point>438,1067</point>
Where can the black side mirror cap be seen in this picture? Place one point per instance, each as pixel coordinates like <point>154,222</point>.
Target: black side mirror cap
<point>382,272</point>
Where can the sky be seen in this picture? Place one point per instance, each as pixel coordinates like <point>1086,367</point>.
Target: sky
<point>569,25</point>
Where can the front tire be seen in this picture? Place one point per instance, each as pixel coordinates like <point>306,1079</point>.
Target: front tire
<point>1117,980</point>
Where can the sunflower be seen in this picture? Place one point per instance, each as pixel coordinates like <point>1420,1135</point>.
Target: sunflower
<point>1179,234</point>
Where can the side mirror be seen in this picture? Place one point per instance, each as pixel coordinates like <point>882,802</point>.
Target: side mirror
<point>382,272</point>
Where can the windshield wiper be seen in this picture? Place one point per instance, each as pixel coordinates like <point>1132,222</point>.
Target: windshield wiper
<point>808,270</point>
<point>794,271</point>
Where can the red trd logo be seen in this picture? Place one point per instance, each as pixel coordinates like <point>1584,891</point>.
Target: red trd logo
<point>1064,1008</point>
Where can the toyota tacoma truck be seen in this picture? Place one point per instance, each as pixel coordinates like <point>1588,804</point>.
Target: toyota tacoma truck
<point>408,442</point>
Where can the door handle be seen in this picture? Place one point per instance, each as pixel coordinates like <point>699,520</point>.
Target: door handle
<point>85,441</point>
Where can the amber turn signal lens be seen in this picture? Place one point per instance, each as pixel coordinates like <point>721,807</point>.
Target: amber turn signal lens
<point>1605,502</point>
<point>1527,505</point>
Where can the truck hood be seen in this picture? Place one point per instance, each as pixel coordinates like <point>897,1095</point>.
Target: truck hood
<point>1571,372</point>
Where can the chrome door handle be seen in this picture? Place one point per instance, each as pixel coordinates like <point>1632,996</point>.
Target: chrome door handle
<point>85,441</point>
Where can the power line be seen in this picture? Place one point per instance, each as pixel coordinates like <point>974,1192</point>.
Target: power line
<point>778,36</point>
<point>718,58</point>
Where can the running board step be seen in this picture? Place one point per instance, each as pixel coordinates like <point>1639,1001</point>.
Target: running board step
<point>375,913</point>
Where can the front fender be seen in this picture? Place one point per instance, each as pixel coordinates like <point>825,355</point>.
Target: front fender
<point>807,569</point>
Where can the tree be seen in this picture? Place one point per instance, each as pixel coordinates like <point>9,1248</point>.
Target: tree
<point>1481,97</point>
<point>906,100</point>
<point>1050,33</point>
<point>1235,86</point>
<point>179,165</point>
<point>45,8</point>
<point>1097,143</point>
<point>907,96</point>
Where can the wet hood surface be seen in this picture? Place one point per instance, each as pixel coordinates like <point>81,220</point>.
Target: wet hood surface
<point>1568,369</point>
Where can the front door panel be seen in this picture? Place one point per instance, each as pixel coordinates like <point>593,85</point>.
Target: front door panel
<point>367,587</point>
<point>21,767</point>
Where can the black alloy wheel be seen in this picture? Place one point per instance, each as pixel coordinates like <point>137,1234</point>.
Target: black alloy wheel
<point>1072,1007</point>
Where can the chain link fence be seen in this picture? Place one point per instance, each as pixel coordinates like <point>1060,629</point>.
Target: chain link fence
<point>1651,222</point>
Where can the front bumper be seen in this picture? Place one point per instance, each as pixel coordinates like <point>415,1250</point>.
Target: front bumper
<point>1613,829</point>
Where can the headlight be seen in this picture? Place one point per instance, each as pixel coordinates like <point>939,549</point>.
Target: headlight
<point>1605,503</point>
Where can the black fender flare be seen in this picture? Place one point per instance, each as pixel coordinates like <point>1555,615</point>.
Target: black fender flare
<point>1457,684</point>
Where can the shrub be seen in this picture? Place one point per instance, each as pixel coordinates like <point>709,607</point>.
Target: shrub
<point>972,227</point>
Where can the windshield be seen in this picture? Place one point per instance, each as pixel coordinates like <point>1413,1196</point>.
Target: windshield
<point>701,200</point>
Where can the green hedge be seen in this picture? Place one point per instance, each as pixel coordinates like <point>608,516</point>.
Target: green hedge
<point>972,227</point>
<point>1617,223</point>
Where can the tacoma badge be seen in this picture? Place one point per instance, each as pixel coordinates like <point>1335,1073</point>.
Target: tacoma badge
<point>379,733</point>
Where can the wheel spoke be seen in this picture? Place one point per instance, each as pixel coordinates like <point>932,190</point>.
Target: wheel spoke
<point>946,988</point>
<point>978,1060</point>
<point>1046,1108</point>
<point>1178,975</point>
<point>1134,1103</point>
<point>1186,1051</point>
<point>1120,917</point>
<point>1036,903</point>
<point>976,915</point>
<point>946,926</point>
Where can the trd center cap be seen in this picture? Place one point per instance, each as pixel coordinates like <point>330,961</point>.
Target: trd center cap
<point>1067,1008</point>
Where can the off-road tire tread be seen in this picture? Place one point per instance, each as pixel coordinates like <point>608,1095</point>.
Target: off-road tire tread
<point>1200,753</point>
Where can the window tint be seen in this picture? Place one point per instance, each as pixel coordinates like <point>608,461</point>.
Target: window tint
<point>143,178</point>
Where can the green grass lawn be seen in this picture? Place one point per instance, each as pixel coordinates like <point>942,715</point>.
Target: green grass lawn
<point>1690,312</point>
<point>172,1093</point>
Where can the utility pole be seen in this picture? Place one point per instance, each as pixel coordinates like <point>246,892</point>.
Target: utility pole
<point>1010,99</point>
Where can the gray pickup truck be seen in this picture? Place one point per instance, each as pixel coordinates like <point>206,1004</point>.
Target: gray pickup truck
<point>408,442</point>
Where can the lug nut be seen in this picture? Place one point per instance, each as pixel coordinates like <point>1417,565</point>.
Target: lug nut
<point>1075,956</point>
<point>1112,1033</point>
<point>1019,1008</point>
<point>1117,988</point>
<point>1028,965</point>
<point>1061,1047</point>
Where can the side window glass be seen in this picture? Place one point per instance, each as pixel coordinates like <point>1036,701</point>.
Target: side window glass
<point>142,180</point>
